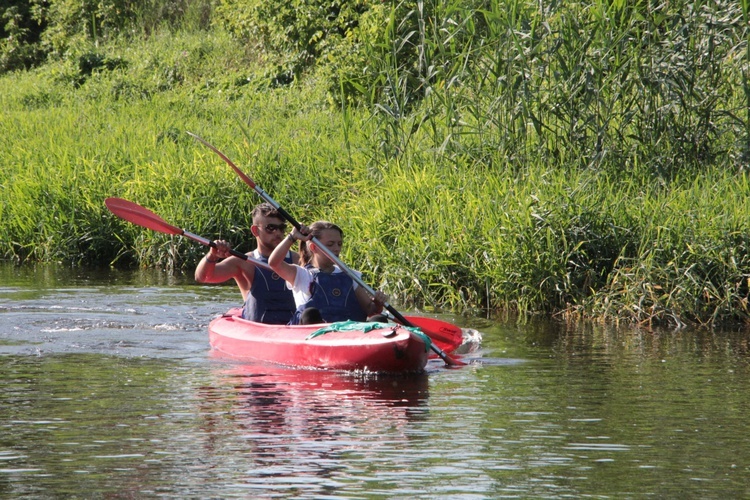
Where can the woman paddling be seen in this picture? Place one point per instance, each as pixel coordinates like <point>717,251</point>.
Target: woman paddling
<point>322,291</point>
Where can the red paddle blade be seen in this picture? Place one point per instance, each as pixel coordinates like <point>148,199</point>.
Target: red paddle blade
<point>136,214</point>
<point>229,162</point>
<point>447,336</point>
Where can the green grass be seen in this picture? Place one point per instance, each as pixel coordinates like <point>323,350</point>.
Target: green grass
<point>536,173</point>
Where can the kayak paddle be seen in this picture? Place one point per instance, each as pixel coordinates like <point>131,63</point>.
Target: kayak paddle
<point>132,212</point>
<point>401,319</point>
<point>448,336</point>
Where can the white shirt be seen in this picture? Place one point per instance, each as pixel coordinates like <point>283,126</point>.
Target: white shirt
<point>302,281</point>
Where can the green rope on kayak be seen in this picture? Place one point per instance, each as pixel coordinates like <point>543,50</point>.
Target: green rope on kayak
<point>358,326</point>
<point>419,333</point>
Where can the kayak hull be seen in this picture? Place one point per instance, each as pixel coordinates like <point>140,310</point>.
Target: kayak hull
<point>393,349</point>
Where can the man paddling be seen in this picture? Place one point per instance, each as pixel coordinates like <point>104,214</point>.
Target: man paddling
<point>267,299</point>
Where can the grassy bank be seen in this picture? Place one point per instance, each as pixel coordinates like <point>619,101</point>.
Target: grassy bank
<point>123,133</point>
<point>462,202</point>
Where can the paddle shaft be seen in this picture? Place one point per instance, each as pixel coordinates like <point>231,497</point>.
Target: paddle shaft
<point>445,357</point>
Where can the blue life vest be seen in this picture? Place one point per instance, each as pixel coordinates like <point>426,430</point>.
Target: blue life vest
<point>269,300</point>
<point>333,295</point>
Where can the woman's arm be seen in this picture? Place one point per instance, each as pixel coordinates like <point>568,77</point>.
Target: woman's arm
<point>370,305</point>
<point>276,260</point>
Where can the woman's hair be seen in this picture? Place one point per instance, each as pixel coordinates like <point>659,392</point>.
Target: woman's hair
<point>316,229</point>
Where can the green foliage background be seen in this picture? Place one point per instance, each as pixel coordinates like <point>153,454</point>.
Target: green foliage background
<point>583,159</point>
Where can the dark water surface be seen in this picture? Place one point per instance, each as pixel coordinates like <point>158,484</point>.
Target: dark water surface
<point>108,389</point>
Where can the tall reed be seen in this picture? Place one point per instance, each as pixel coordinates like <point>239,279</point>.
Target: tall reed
<point>598,84</point>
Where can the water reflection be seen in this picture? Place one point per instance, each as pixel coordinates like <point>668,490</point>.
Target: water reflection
<point>302,429</point>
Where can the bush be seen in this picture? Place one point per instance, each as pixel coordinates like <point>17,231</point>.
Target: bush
<point>20,29</point>
<point>34,29</point>
<point>295,33</point>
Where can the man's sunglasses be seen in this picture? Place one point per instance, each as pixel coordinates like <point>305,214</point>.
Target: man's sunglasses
<point>270,228</point>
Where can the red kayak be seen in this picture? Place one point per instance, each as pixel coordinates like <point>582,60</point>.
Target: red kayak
<point>338,346</point>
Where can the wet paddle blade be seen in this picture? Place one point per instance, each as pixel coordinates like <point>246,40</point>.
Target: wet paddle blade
<point>446,335</point>
<point>136,214</point>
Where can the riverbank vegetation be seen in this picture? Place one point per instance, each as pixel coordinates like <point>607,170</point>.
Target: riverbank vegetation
<point>585,159</point>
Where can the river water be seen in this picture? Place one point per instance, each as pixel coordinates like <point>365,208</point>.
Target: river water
<point>108,389</point>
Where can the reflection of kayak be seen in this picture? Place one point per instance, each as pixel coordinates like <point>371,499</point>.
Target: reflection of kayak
<point>287,419</point>
<point>384,348</point>
<point>253,379</point>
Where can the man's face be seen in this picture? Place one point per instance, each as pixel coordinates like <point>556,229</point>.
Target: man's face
<point>272,238</point>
